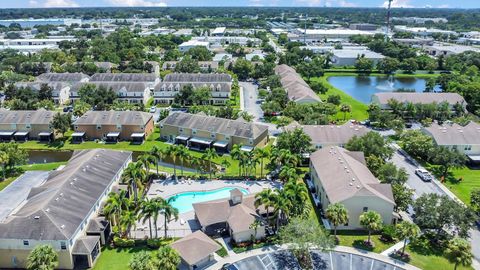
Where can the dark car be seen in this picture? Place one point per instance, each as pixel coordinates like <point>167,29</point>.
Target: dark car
<point>228,266</point>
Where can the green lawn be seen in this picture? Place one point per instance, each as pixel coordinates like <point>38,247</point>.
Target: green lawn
<point>470,180</point>
<point>117,258</point>
<point>6,182</point>
<point>431,261</point>
<point>355,239</point>
<point>42,166</point>
<point>358,109</point>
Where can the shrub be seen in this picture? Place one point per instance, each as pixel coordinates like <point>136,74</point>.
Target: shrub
<point>123,242</point>
<point>388,233</point>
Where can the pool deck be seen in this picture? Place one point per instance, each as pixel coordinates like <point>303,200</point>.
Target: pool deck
<point>186,223</point>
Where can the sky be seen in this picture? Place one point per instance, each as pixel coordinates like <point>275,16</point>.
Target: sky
<point>312,3</point>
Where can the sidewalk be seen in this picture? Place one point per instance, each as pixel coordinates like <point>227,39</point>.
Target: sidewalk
<point>397,246</point>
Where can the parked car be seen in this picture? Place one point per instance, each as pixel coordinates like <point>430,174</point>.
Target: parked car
<point>228,266</point>
<point>153,109</point>
<point>424,175</point>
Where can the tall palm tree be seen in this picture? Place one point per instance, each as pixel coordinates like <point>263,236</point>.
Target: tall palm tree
<point>261,154</point>
<point>407,231</point>
<point>113,206</point>
<point>146,159</point>
<point>167,258</point>
<point>157,206</point>
<point>182,154</point>
<point>337,214</point>
<point>225,164</point>
<point>135,176</point>
<point>127,221</point>
<point>265,198</point>
<point>147,211</point>
<point>195,163</point>
<point>209,155</point>
<point>297,193</point>
<point>158,154</point>
<point>371,221</point>
<point>281,206</point>
<point>236,154</point>
<point>168,212</point>
<point>42,257</point>
<point>172,151</point>
<point>458,252</point>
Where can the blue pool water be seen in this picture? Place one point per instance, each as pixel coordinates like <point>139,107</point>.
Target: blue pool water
<point>183,201</point>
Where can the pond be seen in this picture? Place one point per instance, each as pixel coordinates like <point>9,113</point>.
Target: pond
<point>362,88</point>
<point>48,156</point>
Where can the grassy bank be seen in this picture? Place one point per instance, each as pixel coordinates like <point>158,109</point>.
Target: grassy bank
<point>356,238</point>
<point>358,109</point>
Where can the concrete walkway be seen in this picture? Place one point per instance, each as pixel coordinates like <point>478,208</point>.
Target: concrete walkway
<point>260,251</point>
<point>397,246</point>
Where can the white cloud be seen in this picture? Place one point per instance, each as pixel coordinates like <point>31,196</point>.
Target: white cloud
<point>33,3</point>
<point>139,3</point>
<point>444,6</point>
<point>327,3</point>
<point>59,3</point>
<point>398,4</point>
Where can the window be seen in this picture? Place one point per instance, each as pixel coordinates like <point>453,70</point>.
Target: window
<point>194,132</point>
<point>99,127</point>
<point>365,209</point>
<point>63,245</point>
<point>26,243</point>
<point>468,147</point>
<point>346,224</point>
<point>28,126</point>
<point>212,135</point>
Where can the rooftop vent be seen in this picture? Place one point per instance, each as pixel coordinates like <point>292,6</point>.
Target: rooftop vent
<point>358,186</point>
<point>62,227</point>
<point>36,217</point>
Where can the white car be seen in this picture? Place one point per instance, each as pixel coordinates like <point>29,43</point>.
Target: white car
<point>153,109</point>
<point>424,175</point>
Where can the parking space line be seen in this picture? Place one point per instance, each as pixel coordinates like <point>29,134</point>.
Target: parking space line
<point>331,259</point>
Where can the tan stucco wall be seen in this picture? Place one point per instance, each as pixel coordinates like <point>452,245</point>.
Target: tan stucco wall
<point>91,131</point>
<point>34,128</point>
<point>245,236</point>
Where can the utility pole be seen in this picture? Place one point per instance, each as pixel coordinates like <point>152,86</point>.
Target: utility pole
<point>388,19</point>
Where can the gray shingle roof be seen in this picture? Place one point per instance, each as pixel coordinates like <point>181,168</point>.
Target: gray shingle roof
<point>297,89</point>
<point>423,98</point>
<point>61,77</point>
<point>238,128</point>
<point>330,134</point>
<point>61,204</point>
<point>115,86</point>
<point>123,77</point>
<point>114,118</point>
<point>198,77</point>
<point>38,117</point>
<point>455,134</point>
<point>36,86</point>
<point>344,175</point>
<point>195,247</point>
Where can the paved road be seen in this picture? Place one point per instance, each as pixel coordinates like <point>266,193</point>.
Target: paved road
<point>275,46</point>
<point>250,96</point>
<point>421,187</point>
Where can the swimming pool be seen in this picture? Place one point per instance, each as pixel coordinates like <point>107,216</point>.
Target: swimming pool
<point>183,201</point>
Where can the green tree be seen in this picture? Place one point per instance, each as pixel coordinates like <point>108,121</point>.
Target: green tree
<point>458,252</point>
<point>147,211</point>
<point>403,196</point>
<point>261,154</point>
<point>159,154</point>
<point>80,108</point>
<point>42,257</point>
<point>447,159</point>
<point>364,65</point>
<point>388,65</point>
<point>167,258</point>
<point>303,234</point>
<point>345,108</point>
<point>337,214</point>
<point>168,212</point>
<point>474,197</point>
<point>113,206</point>
<point>209,155</point>
<point>183,154</point>
<point>172,152</point>
<point>62,122</point>
<point>265,198</point>
<point>3,162</point>
<point>389,173</point>
<point>406,231</point>
<point>370,144</point>
<point>45,92</point>
<point>371,221</point>
<point>296,141</point>
<point>187,65</point>
<point>135,175</point>
<point>242,68</point>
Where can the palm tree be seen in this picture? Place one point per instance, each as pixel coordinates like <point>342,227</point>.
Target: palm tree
<point>113,206</point>
<point>407,231</point>
<point>458,252</point>
<point>297,193</point>
<point>157,206</point>
<point>345,108</point>
<point>288,173</point>
<point>146,159</point>
<point>167,258</point>
<point>261,154</point>
<point>209,155</point>
<point>135,176</point>
<point>158,154</point>
<point>195,163</point>
<point>371,221</point>
<point>172,151</point>
<point>42,257</point>
<point>236,154</point>
<point>168,212</point>
<point>255,224</point>
<point>225,164</point>
<point>281,206</point>
<point>182,154</point>
<point>265,198</point>
<point>147,211</point>
<point>337,214</point>
<point>127,221</point>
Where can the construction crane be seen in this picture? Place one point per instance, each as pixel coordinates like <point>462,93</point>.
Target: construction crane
<point>388,19</point>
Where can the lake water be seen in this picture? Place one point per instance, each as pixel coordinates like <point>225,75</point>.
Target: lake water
<point>362,88</point>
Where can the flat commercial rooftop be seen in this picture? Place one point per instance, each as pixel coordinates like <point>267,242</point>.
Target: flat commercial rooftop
<point>15,193</point>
